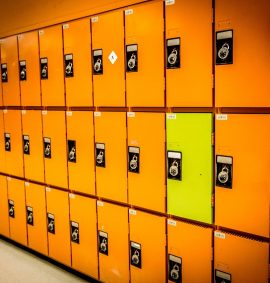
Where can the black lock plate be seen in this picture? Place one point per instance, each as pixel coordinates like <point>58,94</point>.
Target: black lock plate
<point>135,254</point>
<point>173,53</point>
<point>134,159</point>
<point>100,155</point>
<point>224,167</point>
<point>22,70</point>
<point>132,58</point>
<point>103,243</point>
<point>97,62</point>
<point>4,73</point>
<point>74,230</point>
<point>26,144</point>
<point>51,223</point>
<point>47,148</point>
<point>69,66</point>
<point>222,277</point>
<point>72,151</point>
<point>174,165</point>
<point>30,215</point>
<point>175,269</point>
<point>7,142</point>
<point>11,208</point>
<point>44,72</point>
<point>224,47</point>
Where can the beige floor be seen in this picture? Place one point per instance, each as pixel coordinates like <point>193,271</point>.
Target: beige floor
<point>19,266</point>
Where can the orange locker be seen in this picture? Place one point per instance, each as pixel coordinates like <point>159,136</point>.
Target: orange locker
<point>77,61</point>
<point>36,217</point>
<point>29,69</point>
<point>189,252</point>
<point>113,243</point>
<point>81,171</point>
<point>188,72</point>
<point>111,160</point>
<point>13,142</point>
<point>10,71</point>
<point>242,170</point>
<point>55,150</point>
<point>51,66</point>
<point>144,32</point>
<point>242,29</point>
<point>17,211</point>
<point>108,59</point>
<point>146,160</point>
<point>239,259</point>
<point>2,144</point>
<point>147,247</point>
<point>58,225</point>
<point>33,145</point>
<point>4,219</point>
<point>83,230</point>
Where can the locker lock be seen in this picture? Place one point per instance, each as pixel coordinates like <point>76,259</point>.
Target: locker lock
<point>75,234</point>
<point>51,225</point>
<point>44,71</point>
<point>4,75</point>
<point>223,52</point>
<point>69,68</point>
<point>173,57</point>
<point>135,258</point>
<point>100,157</point>
<point>48,150</point>
<point>26,146</point>
<point>175,272</point>
<point>223,176</point>
<point>30,217</point>
<point>72,153</point>
<point>7,145</point>
<point>132,61</point>
<point>23,73</point>
<point>174,168</point>
<point>97,65</point>
<point>103,245</point>
<point>11,211</point>
<point>134,162</point>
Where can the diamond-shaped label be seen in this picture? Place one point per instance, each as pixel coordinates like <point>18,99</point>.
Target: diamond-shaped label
<point>113,57</point>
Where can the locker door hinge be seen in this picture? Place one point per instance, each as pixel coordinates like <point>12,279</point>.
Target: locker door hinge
<point>213,139</point>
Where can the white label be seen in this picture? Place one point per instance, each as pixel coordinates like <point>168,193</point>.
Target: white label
<point>133,149</point>
<point>41,32</point>
<point>48,189</point>
<point>5,111</point>
<point>23,112</point>
<point>224,34</point>
<point>98,52</point>
<point>100,145</point>
<point>172,42</point>
<point>65,26</point>
<point>74,224</point>
<point>171,116</point>
<point>48,140</point>
<point>11,202</point>
<point>103,234</point>
<point>68,56</point>
<point>94,19</point>
<point>132,212</point>
<point>219,235</point>
<point>131,114</point>
<point>97,114</point>
<point>112,57</point>
<point>4,66</point>
<point>71,196</point>
<point>171,222</point>
<point>136,245</point>
<point>177,155</point>
<point>224,159</point>
<point>22,63</point>
<point>50,215</point>
<point>222,117</point>
<point>44,112</point>
<point>69,113</point>
<point>223,275</point>
<point>128,12</point>
<point>26,138</point>
<point>100,203</point>
<point>26,184</point>
<point>170,2</point>
<point>7,135</point>
<point>30,208</point>
<point>175,259</point>
<point>44,60</point>
<point>8,179</point>
<point>131,48</point>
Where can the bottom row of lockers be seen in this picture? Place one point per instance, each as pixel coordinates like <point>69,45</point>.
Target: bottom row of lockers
<point>113,243</point>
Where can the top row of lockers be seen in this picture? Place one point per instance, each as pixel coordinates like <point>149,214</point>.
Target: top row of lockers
<point>146,55</point>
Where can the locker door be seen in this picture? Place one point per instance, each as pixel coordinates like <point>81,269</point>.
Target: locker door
<point>81,157</point>
<point>55,149</point>
<point>83,229</point>
<point>113,243</point>
<point>235,85</point>
<point>58,225</point>
<point>239,259</point>
<point>189,165</point>
<point>108,37</point>
<point>147,247</point>
<point>4,219</point>
<point>189,252</point>
<point>145,54</point>
<point>2,144</point>
<point>51,66</point>
<point>247,146</point>
<point>77,60</point>
<point>111,160</point>
<point>10,71</point>
<point>29,69</point>
<point>189,72</point>
<point>17,211</point>
<point>146,182</point>
<point>13,142</point>
<point>36,217</point>
<point>33,145</point>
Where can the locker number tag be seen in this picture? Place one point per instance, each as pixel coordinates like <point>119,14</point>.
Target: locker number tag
<point>135,254</point>
<point>175,269</point>
<point>174,165</point>
<point>44,68</point>
<point>97,62</point>
<point>4,73</point>
<point>22,70</point>
<point>224,167</point>
<point>74,230</point>
<point>100,155</point>
<point>69,65</point>
<point>169,2</point>
<point>103,242</point>
<point>72,151</point>
<point>134,159</point>
<point>132,58</point>
<point>224,47</point>
<point>112,57</point>
<point>173,53</point>
<point>222,277</point>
